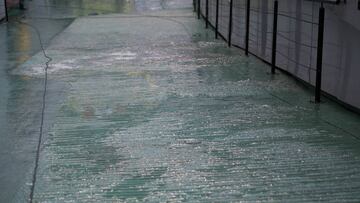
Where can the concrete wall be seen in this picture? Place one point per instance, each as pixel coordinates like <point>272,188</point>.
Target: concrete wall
<point>297,40</point>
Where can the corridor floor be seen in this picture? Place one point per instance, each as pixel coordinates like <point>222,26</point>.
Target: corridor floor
<point>148,107</point>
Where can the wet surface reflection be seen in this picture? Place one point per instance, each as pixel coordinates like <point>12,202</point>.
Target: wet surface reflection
<point>153,109</point>
<point>20,94</point>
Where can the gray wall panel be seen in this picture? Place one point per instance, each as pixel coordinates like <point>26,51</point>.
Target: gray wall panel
<point>2,9</point>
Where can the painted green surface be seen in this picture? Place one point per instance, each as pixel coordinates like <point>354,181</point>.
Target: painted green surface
<point>153,109</point>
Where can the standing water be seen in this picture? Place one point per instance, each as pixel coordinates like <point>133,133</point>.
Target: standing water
<point>147,107</point>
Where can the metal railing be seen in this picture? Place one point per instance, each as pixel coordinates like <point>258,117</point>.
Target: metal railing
<point>248,31</point>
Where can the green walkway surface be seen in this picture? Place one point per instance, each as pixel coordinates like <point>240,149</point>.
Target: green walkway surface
<point>150,108</point>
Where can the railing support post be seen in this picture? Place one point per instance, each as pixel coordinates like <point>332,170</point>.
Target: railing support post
<point>6,11</point>
<point>198,8</point>
<point>319,54</point>
<point>194,5</point>
<point>230,23</point>
<point>217,20</point>
<point>274,41</point>
<point>207,14</point>
<point>247,36</point>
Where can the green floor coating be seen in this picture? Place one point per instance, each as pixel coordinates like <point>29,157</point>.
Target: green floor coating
<point>153,109</point>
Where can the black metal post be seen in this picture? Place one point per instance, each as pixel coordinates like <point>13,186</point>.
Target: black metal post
<point>21,5</point>
<point>247,28</point>
<point>198,8</point>
<point>319,54</point>
<point>274,42</point>
<point>194,5</point>
<point>217,20</point>
<point>6,11</point>
<point>230,23</point>
<point>207,14</point>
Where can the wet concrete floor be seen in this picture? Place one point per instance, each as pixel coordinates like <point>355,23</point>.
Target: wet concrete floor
<point>146,106</point>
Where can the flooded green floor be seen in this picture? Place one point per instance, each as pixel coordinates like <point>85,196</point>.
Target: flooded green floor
<point>153,109</point>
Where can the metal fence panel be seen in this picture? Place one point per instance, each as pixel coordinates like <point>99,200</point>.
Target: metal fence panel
<point>297,40</point>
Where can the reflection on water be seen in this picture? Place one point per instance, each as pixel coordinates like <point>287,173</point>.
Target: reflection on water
<point>62,9</point>
<point>22,42</point>
<point>144,5</point>
<point>142,111</point>
<point>159,115</point>
<point>86,7</point>
<point>20,100</point>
